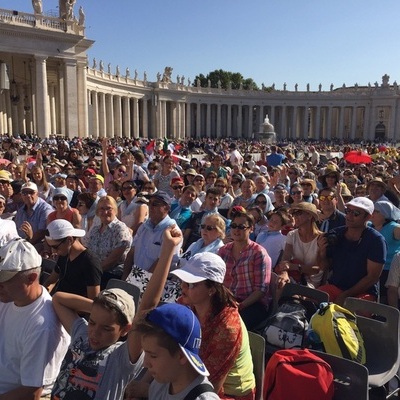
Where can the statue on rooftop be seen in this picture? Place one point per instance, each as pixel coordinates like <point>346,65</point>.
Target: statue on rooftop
<point>296,86</point>
<point>81,21</point>
<point>69,6</point>
<point>127,72</point>
<point>219,84</point>
<point>167,75</point>
<point>94,66</point>
<point>101,66</point>
<point>331,87</point>
<point>117,71</point>
<point>320,87</point>
<point>37,6</point>
<point>136,74</point>
<point>385,80</point>
<point>109,68</point>
<point>144,76</point>
<point>178,79</point>
<point>158,77</point>
<point>284,86</point>
<point>182,80</point>
<point>273,86</point>
<point>308,87</point>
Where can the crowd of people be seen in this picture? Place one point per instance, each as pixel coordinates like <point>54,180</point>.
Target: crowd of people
<point>198,225</point>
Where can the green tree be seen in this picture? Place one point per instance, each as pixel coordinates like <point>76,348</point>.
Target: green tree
<point>236,80</point>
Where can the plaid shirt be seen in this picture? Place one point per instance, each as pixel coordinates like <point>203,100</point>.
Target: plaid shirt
<point>251,272</point>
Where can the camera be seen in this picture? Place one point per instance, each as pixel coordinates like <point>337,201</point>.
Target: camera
<point>332,238</point>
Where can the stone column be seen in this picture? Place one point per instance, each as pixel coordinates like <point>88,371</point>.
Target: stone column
<point>2,113</point>
<point>353,123</point>
<point>208,120</point>
<point>117,116</point>
<point>198,121</point>
<point>272,116</point>
<point>174,120</point>
<point>188,120</point>
<point>182,120</point>
<point>71,99</point>
<point>42,101</point>
<point>341,122</point>
<point>109,116</point>
<point>61,97</point>
<point>20,110</point>
<point>293,133</point>
<point>136,120</point>
<point>318,123</point>
<point>127,117</point>
<point>305,124</point>
<point>219,120</point>
<point>102,115</point>
<point>367,128</point>
<point>392,124</point>
<point>229,121</point>
<point>329,123</point>
<point>53,110</point>
<point>240,121</point>
<point>145,119</point>
<point>83,126</point>
<point>283,133</point>
<point>164,119</point>
<point>95,114</point>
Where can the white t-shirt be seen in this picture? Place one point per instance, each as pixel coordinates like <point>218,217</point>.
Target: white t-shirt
<point>32,344</point>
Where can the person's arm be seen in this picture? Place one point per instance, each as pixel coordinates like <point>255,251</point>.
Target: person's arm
<point>140,216</point>
<point>92,291</point>
<point>23,393</point>
<point>113,258</point>
<point>396,232</point>
<point>51,280</point>
<point>67,306</point>
<point>104,165</point>
<point>76,219</point>
<point>393,296</point>
<point>128,263</point>
<point>151,297</point>
<point>374,270</point>
<point>254,297</point>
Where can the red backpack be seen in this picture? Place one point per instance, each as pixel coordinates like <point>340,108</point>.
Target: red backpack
<point>297,375</point>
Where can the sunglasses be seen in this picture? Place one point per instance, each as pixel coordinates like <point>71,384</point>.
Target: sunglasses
<point>111,154</point>
<point>177,187</point>
<point>356,213</point>
<point>323,198</point>
<point>293,193</point>
<point>58,245</point>
<point>126,188</point>
<point>122,171</point>
<point>28,193</point>
<point>2,182</point>
<point>241,227</point>
<point>59,198</point>
<point>297,213</point>
<point>207,227</point>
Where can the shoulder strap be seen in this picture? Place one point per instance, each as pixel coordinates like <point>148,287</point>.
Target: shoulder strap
<point>198,390</point>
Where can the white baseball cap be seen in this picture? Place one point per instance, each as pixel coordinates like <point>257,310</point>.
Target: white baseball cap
<point>29,185</point>
<point>61,228</point>
<point>362,202</point>
<point>16,256</point>
<point>202,266</point>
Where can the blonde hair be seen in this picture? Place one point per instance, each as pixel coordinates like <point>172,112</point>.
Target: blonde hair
<point>107,199</point>
<point>219,223</point>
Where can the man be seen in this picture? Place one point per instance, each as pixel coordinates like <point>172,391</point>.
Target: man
<point>235,157</point>
<point>146,244</point>
<point>96,185</point>
<point>112,159</point>
<point>274,159</point>
<point>77,271</point>
<point>181,210</point>
<point>31,217</point>
<point>356,258</point>
<point>314,157</point>
<point>32,342</point>
<point>330,217</point>
<point>376,189</point>
<point>216,166</point>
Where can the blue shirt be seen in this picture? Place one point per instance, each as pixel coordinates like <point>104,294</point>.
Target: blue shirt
<point>41,210</point>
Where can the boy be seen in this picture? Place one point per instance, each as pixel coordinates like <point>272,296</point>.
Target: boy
<point>97,366</point>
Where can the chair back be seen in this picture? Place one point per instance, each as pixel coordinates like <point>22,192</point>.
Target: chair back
<point>315,295</point>
<point>257,347</point>
<point>133,290</point>
<point>350,378</point>
<point>379,326</point>
<point>273,285</point>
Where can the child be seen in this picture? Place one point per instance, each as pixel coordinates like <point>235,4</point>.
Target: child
<point>171,338</point>
<point>273,240</point>
<point>97,366</point>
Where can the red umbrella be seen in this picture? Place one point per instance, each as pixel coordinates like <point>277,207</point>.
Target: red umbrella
<point>4,161</point>
<point>357,157</point>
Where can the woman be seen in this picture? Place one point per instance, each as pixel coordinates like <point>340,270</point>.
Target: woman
<point>110,240</point>
<point>263,201</point>
<point>248,268</point>
<point>261,221</point>
<point>300,259</point>
<point>246,199</point>
<point>163,178</point>
<point>149,187</point>
<point>212,232</point>
<point>211,177</point>
<point>153,167</point>
<point>61,199</point>
<point>131,212</point>
<point>309,187</point>
<point>44,188</point>
<point>295,194</point>
<point>384,219</point>
<point>280,194</point>
<point>114,190</point>
<point>117,174</point>
<point>226,198</point>
<point>225,347</point>
<point>86,202</point>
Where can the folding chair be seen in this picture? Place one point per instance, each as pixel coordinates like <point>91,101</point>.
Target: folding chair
<point>133,290</point>
<point>350,378</point>
<point>315,295</point>
<point>379,326</point>
<point>257,347</point>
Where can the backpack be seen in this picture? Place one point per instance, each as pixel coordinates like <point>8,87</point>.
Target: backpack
<point>287,328</point>
<point>297,375</point>
<point>337,330</point>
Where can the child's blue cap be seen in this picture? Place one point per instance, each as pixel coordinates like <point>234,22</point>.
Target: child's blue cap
<point>182,325</point>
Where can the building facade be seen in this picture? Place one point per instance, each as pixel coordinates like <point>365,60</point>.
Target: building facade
<point>48,86</point>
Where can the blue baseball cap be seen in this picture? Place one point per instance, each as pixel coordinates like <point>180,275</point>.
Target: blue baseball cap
<point>182,325</point>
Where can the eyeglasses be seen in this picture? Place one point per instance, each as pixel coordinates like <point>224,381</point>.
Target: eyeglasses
<point>58,245</point>
<point>306,184</point>
<point>28,192</point>
<point>2,182</point>
<point>152,169</point>
<point>156,204</point>
<point>207,227</point>
<point>59,198</point>
<point>323,198</point>
<point>356,213</point>
<point>177,187</point>
<point>241,227</point>
<point>126,188</point>
<point>261,202</point>
<point>81,204</point>
<point>105,209</point>
<point>220,186</point>
<point>293,193</point>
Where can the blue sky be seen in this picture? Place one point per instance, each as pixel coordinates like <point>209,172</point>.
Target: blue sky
<point>271,41</point>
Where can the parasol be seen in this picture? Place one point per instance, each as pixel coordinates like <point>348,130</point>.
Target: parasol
<point>4,161</point>
<point>357,157</point>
